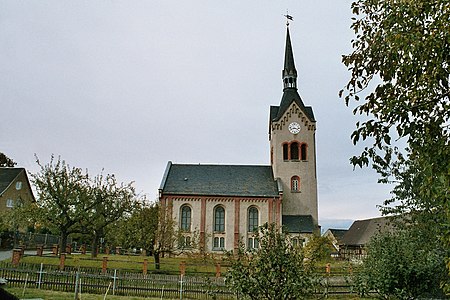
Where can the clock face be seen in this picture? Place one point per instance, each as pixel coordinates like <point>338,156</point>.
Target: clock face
<point>294,127</point>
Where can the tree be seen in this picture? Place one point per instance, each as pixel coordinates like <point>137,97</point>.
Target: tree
<point>400,71</point>
<point>5,161</point>
<point>111,201</point>
<point>275,270</point>
<point>399,264</point>
<point>149,227</point>
<point>63,197</point>
<point>318,248</point>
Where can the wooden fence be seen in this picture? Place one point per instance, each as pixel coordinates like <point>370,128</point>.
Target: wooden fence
<point>120,282</point>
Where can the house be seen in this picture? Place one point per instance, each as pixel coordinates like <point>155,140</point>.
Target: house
<point>224,204</point>
<point>353,242</point>
<point>335,236</point>
<point>15,188</point>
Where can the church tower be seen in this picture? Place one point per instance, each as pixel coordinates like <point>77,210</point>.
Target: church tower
<point>292,130</point>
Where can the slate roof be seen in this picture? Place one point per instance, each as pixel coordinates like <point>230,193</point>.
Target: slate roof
<point>7,176</point>
<point>362,231</point>
<point>338,233</point>
<point>219,180</point>
<point>298,224</point>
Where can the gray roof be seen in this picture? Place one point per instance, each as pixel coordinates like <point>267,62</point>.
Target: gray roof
<point>219,180</point>
<point>362,231</point>
<point>7,176</point>
<point>298,223</point>
<point>338,233</point>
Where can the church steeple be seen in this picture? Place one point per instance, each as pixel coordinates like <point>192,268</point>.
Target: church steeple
<point>289,73</point>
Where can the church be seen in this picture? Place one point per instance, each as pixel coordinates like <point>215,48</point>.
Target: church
<point>222,205</point>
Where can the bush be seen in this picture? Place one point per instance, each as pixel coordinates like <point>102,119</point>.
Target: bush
<point>400,265</point>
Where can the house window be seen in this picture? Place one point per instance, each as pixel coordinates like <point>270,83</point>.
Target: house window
<point>219,219</point>
<point>252,219</point>
<point>10,203</point>
<point>18,185</point>
<point>294,150</point>
<point>285,151</point>
<point>295,184</point>
<point>186,218</point>
<point>303,151</point>
<point>219,243</point>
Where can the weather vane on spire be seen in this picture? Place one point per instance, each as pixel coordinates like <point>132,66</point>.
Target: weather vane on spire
<point>288,18</point>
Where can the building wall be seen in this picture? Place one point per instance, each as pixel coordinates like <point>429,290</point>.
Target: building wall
<point>303,202</point>
<point>16,195</point>
<point>236,216</point>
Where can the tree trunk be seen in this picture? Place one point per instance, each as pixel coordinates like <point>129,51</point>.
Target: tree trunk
<point>156,256</point>
<point>63,242</point>
<point>94,245</point>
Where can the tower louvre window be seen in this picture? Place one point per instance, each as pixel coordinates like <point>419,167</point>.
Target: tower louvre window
<point>285,151</point>
<point>303,151</point>
<point>294,150</point>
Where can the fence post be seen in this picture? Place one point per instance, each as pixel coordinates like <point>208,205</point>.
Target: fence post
<point>83,249</point>
<point>218,270</point>
<point>104,264</point>
<point>17,254</point>
<point>62,260</point>
<point>69,249</point>
<point>144,270</point>
<point>39,250</point>
<point>182,268</point>
<point>118,250</point>
<point>55,249</point>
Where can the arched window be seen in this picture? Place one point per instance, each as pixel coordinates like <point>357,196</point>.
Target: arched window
<point>285,151</point>
<point>295,184</point>
<point>252,219</point>
<point>185,218</point>
<point>294,150</point>
<point>303,149</point>
<point>219,219</point>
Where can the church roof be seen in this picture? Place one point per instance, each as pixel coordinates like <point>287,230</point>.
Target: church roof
<point>298,224</point>
<point>219,180</point>
<point>7,176</point>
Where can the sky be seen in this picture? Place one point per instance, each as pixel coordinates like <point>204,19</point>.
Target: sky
<point>126,86</point>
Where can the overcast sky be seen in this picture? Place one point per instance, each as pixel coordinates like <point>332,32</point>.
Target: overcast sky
<point>129,85</point>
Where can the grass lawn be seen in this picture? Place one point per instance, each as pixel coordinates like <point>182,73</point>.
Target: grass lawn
<point>195,265</point>
<point>44,294</point>
<point>134,263</point>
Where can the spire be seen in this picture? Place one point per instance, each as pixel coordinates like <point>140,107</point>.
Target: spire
<point>289,73</point>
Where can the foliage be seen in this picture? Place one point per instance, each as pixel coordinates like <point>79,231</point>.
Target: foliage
<point>149,227</point>
<point>63,200</point>
<point>5,161</point>
<point>318,248</point>
<point>138,229</point>
<point>399,264</point>
<point>111,201</point>
<point>276,270</point>
<point>400,70</point>
<point>70,202</point>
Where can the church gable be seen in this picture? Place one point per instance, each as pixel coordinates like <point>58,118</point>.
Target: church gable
<point>304,116</point>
